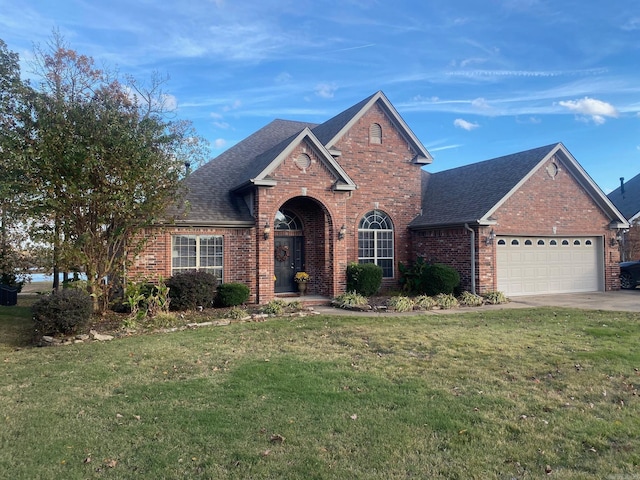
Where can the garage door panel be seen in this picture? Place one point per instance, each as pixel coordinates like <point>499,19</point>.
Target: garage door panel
<point>528,265</point>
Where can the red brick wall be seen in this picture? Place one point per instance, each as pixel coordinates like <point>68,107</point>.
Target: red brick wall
<point>542,206</point>
<point>386,179</point>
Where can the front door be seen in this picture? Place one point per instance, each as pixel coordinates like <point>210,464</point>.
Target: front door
<point>288,261</point>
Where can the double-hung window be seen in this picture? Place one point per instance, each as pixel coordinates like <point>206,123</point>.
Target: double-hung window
<point>197,252</point>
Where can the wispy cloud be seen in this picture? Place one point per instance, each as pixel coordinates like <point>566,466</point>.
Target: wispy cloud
<point>326,90</point>
<point>591,108</point>
<point>468,126</point>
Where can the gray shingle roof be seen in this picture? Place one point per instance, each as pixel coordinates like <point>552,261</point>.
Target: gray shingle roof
<point>628,202</point>
<point>467,194</point>
<point>209,187</point>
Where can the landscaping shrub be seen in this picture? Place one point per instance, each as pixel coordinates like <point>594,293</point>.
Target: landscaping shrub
<point>438,278</point>
<point>425,302</point>
<point>274,307</point>
<point>400,304</point>
<point>364,278</point>
<point>189,290</point>
<point>232,294</point>
<point>64,312</point>
<point>495,298</point>
<point>411,276</point>
<point>350,299</point>
<point>446,301</point>
<point>469,299</point>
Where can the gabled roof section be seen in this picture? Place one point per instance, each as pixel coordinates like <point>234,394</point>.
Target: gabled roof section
<point>627,198</point>
<point>329,132</point>
<point>260,169</point>
<point>471,194</point>
<point>209,187</point>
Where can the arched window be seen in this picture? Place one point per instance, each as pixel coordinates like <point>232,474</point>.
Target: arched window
<point>375,133</point>
<point>375,241</point>
<point>286,220</point>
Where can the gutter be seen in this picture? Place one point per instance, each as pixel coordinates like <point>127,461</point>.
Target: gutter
<point>473,257</point>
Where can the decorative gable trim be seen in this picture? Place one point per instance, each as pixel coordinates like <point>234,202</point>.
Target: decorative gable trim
<point>342,183</point>
<point>422,156</point>
<point>580,175</point>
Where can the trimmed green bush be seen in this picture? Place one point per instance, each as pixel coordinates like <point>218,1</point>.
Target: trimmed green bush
<point>438,278</point>
<point>189,290</point>
<point>364,278</point>
<point>65,312</point>
<point>232,294</point>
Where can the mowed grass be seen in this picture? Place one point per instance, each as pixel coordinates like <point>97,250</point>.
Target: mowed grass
<point>535,393</point>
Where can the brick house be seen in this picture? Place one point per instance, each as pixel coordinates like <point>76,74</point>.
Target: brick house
<point>627,199</point>
<point>296,196</point>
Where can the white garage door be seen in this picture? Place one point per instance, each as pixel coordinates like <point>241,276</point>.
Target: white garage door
<point>538,265</point>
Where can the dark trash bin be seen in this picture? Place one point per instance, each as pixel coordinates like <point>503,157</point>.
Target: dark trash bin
<point>8,295</point>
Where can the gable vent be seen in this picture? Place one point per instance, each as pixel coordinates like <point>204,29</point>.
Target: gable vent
<point>375,133</point>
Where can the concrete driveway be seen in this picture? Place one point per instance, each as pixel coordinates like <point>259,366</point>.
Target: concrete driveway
<point>620,300</point>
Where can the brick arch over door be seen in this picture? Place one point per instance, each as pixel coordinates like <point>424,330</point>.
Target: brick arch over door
<point>316,237</point>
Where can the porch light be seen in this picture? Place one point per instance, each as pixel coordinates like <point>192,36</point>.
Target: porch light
<point>490,238</point>
<point>266,231</point>
<point>342,232</point>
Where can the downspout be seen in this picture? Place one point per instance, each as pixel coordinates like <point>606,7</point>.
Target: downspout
<point>473,257</point>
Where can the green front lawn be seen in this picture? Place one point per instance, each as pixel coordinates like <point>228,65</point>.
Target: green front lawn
<point>505,394</point>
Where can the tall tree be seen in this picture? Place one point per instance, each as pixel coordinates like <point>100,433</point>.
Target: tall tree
<point>105,164</point>
<point>13,92</point>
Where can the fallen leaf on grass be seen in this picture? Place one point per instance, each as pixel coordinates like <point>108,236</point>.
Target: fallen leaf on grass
<point>265,453</point>
<point>354,417</point>
<point>111,463</point>
<point>276,438</point>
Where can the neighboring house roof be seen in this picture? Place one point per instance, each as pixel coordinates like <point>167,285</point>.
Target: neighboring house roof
<point>627,198</point>
<point>472,193</point>
<point>214,191</point>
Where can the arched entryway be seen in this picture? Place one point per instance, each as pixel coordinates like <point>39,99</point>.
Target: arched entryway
<point>288,250</point>
<point>303,236</point>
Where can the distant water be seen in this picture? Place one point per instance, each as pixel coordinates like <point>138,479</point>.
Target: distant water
<point>48,278</point>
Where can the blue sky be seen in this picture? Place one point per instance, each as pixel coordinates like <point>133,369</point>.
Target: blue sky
<point>473,79</point>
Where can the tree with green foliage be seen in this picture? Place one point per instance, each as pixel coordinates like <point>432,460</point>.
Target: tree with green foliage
<point>14,260</point>
<point>103,162</point>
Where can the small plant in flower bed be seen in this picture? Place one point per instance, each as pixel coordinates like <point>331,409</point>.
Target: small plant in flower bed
<point>446,301</point>
<point>495,298</point>
<point>237,313</point>
<point>425,302</point>
<point>469,299</point>
<point>274,307</point>
<point>400,303</point>
<point>350,299</point>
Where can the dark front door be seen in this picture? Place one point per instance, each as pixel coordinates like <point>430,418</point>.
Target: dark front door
<point>288,261</point>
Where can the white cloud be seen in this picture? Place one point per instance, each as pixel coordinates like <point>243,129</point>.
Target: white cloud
<point>326,90</point>
<point>234,106</point>
<point>460,123</point>
<point>284,77</point>
<point>592,108</point>
<point>219,143</point>
<point>632,24</point>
